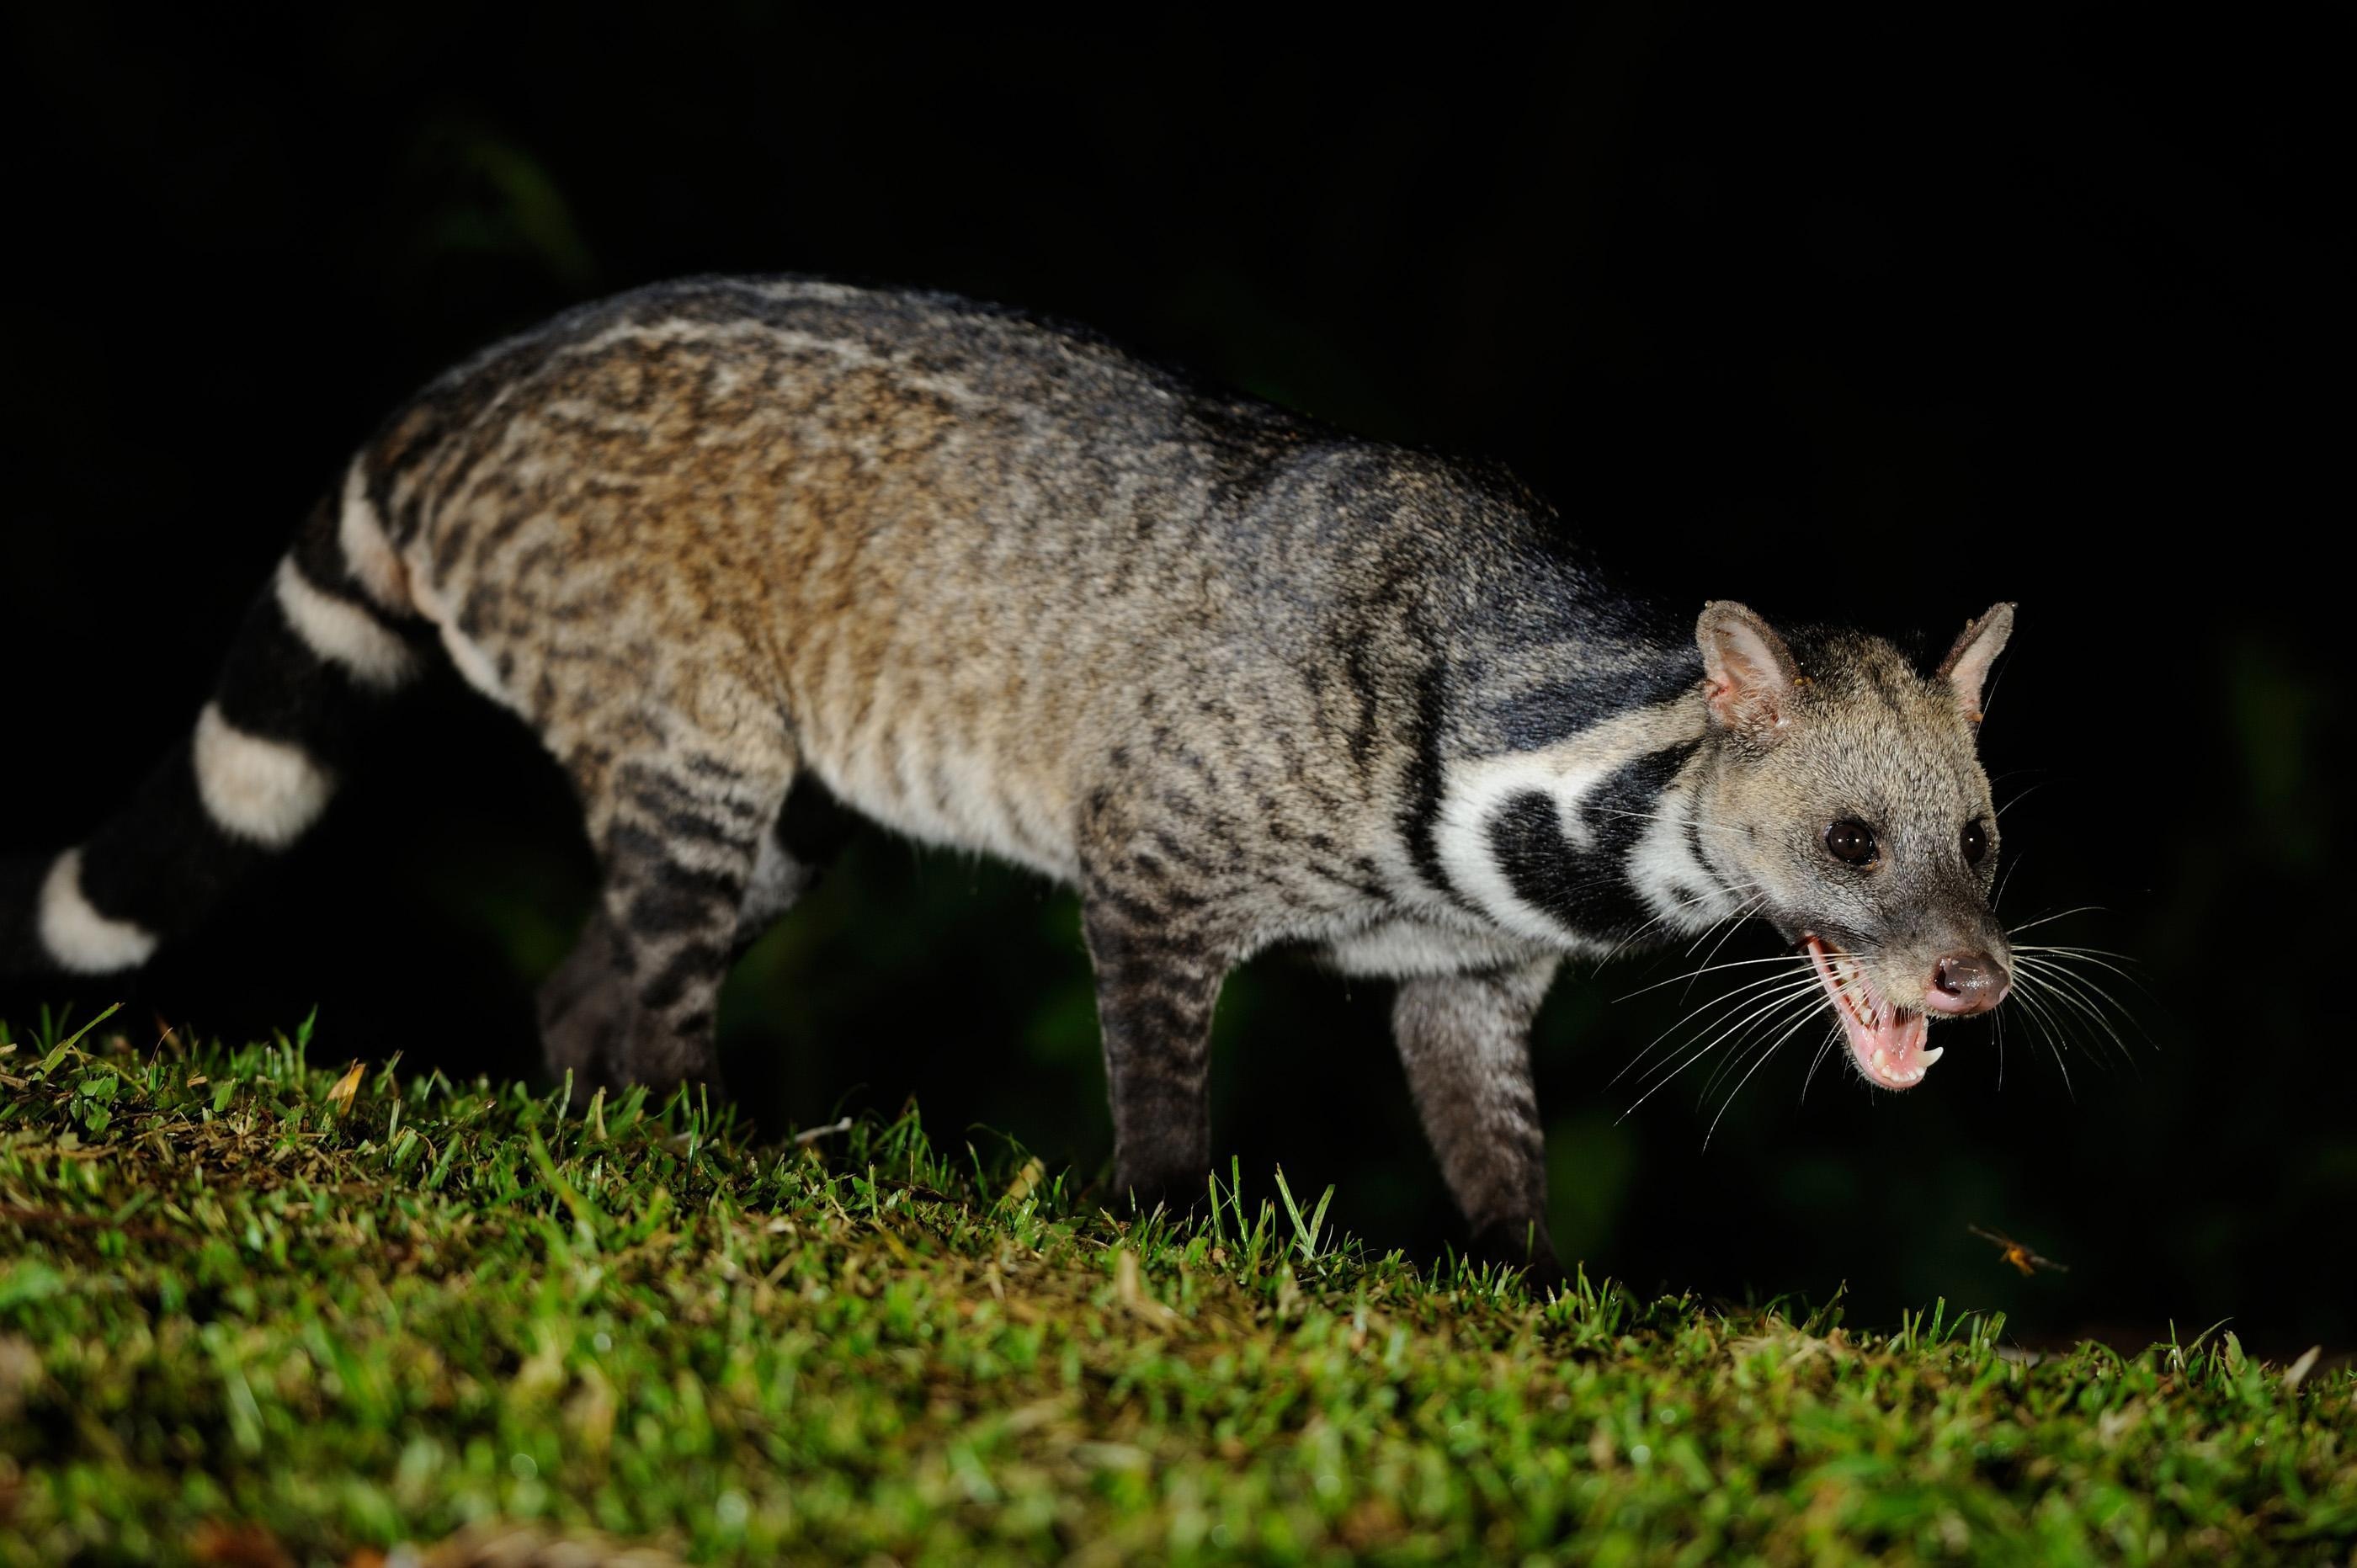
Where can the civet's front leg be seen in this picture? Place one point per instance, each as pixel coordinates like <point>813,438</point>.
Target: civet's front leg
<point>1465,1041</point>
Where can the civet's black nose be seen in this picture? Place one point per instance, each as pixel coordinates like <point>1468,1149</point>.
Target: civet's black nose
<point>1966,983</point>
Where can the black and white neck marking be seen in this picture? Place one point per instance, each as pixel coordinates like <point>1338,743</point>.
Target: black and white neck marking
<point>1591,842</point>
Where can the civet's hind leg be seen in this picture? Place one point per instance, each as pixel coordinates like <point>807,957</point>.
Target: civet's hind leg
<point>1465,1041</point>
<point>694,871</point>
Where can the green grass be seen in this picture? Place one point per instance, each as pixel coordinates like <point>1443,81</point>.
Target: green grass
<point>235,1321</point>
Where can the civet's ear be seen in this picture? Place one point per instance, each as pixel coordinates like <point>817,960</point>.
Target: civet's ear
<point>1966,667</point>
<point>1748,675</point>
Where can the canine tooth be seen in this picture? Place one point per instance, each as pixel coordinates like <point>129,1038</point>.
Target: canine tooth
<point>1928,1057</point>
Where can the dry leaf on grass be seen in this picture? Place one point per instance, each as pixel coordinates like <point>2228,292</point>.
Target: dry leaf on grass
<point>346,1089</point>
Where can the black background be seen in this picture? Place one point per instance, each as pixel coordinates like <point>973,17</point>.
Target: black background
<point>1847,322</point>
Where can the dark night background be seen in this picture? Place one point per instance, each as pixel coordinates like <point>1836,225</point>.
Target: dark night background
<point>1864,325</point>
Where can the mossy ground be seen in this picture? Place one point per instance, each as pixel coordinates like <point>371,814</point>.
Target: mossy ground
<point>246,1317</point>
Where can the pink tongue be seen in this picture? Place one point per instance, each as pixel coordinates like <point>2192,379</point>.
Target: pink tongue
<point>1891,1052</point>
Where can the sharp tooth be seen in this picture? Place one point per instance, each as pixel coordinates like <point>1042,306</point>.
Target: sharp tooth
<point>1928,1057</point>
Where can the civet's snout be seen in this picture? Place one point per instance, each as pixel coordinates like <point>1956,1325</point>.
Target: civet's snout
<point>1965,983</point>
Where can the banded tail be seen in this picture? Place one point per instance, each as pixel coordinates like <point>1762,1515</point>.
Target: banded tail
<point>325,644</point>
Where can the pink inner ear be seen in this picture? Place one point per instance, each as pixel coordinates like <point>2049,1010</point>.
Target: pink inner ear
<point>1746,681</point>
<point>1969,676</point>
<point>1747,706</point>
<point>1748,674</point>
<point>1967,666</point>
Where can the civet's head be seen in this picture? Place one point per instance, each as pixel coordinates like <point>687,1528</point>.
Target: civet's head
<point>1847,798</point>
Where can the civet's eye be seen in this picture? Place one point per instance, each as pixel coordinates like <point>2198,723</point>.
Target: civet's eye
<point>1851,842</point>
<point>1975,842</point>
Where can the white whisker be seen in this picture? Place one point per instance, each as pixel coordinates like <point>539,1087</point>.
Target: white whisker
<point>1739,1050</point>
<point>1774,1004</point>
<point>2101,957</point>
<point>2026,791</point>
<point>2048,1028</point>
<point>2044,919</point>
<point>2080,994</point>
<point>1733,923</point>
<point>2099,952</point>
<point>1703,897</point>
<point>1833,1038</point>
<point>1682,821</point>
<point>2006,881</point>
<point>1742,995</point>
<point>1764,1008</point>
<point>1764,1054</point>
<point>1713,969</point>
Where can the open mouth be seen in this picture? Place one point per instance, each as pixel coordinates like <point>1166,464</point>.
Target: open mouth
<point>1885,1041</point>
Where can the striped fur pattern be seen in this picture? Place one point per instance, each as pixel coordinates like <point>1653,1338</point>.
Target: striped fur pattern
<point>315,655</point>
<point>990,582</point>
